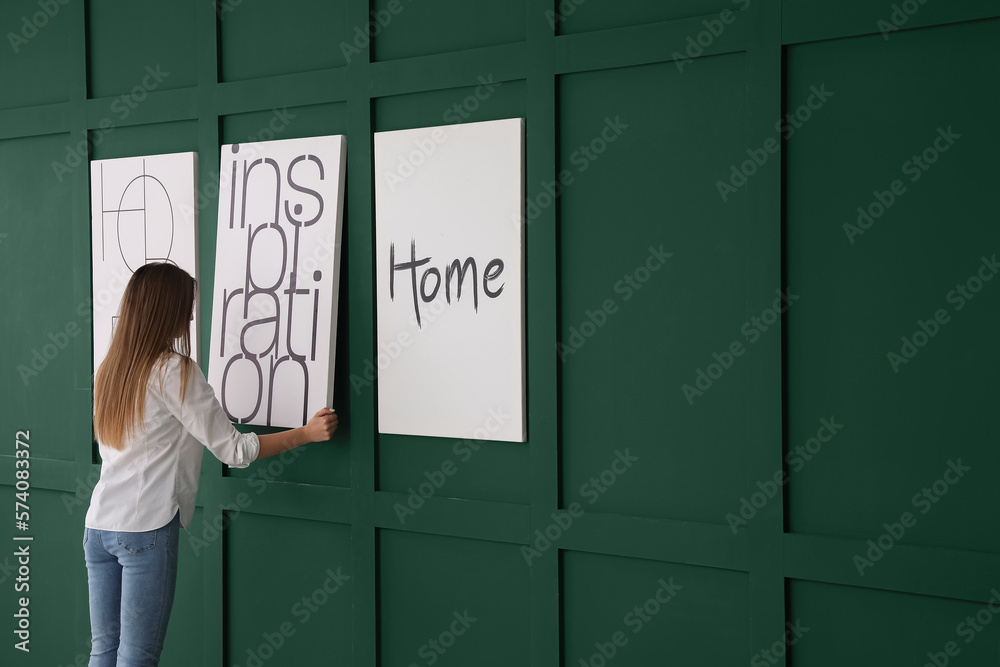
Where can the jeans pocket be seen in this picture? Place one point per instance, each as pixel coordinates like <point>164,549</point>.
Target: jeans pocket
<point>136,543</point>
<point>86,534</point>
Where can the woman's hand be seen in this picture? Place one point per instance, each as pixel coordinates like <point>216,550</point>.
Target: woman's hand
<point>319,429</point>
<point>322,426</point>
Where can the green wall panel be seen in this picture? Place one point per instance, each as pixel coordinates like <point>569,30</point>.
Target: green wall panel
<point>636,325</point>
<point>173,137</point>
<point>285,123</point>
<point>866,285</point>
<point>261,38</point>
<point>660,469</point>
<point>45,325</point>
<point>473,469</point>
<point>883,628</point>
<point>403,28</point>
<point>289,591</point>
<point>805,20</point>
<point>578,16</point>
<point>33,58</point>
<point>451,601</point>
<point>492,100</point>
<point>185,643</point>
<point>642,612</point>
<point>144,45</point>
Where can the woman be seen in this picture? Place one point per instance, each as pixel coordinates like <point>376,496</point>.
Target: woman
<point>153,413</point>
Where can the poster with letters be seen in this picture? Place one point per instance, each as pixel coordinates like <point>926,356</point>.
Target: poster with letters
<point>142,211</point>
<point>277,277</point>
<point>449,280</point>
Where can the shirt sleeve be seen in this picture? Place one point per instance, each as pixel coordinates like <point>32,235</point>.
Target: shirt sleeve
<point>203,416</point>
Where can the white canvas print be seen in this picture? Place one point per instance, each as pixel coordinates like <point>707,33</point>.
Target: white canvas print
<point>277,268</point>
<point>142,211</point>
<point>449,280</point>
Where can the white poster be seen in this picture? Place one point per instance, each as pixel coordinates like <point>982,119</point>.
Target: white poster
<point>142,211</point>
<point>277,277</point>
<point>449,280</point>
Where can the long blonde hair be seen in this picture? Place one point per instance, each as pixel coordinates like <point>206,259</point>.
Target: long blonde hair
<point>153,321</point>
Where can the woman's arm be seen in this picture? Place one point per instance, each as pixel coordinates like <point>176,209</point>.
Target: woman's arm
<point>319,429</point>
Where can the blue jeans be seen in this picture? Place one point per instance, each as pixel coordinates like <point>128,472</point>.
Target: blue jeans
<point>132,578</point>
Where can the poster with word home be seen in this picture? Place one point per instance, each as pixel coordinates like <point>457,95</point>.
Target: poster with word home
<point>449,280</point>
<point>277,277</point>
<point>142,211</point>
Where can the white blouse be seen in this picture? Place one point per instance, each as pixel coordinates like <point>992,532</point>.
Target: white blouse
<point>143,485</point>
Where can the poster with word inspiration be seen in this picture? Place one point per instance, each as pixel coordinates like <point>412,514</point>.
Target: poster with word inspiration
<point>277,278</point>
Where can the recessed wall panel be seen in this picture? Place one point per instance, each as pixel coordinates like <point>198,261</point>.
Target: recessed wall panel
<point>891,342</point>
<point>47,322</point>
<point>404,29</point>
<point>642,612</point>
<point>451,601</point>
<point>261,38</point>
<point>307,609</point>
<point>652,289</point>
<point>570,17</point>
<point>837,625</point>
<point>35,50</point>
<point>187,619</point>
<point>136,48</point>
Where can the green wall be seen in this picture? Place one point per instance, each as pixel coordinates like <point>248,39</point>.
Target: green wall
<point>666,393</point>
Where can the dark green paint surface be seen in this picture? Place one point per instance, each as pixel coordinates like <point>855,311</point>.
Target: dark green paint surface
<point>627,478</point>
